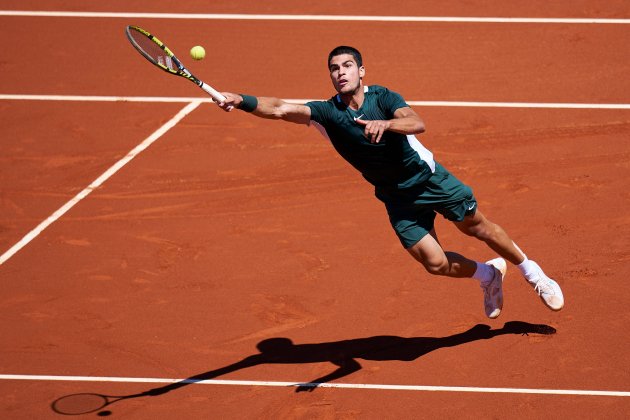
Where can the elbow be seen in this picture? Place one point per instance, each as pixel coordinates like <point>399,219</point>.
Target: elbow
<point>280,112</point>
<point>271,114</point>
<point>278,115</point>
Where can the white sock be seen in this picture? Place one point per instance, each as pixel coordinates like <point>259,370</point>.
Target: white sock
<point>484,273</point>
<point>528,269</point>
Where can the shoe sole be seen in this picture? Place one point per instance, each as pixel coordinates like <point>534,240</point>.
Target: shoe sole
<point>501,265</point>
<point>556,309</point>
<point>551,307</point>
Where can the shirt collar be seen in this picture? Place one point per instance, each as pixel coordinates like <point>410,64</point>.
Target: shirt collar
<point>365,90</point>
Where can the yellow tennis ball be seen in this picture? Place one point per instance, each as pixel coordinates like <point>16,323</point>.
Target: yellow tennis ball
<point>197,52</point>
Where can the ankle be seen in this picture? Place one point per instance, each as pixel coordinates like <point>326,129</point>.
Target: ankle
<point>529,269</point>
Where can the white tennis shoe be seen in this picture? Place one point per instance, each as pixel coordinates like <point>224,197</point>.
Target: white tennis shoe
<point>493,291</point>
<point>548,290</point>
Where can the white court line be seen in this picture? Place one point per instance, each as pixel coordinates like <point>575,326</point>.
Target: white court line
<point>99,181</point>
<point>475,104</point>
<point>321,385</point>
<point>80,98</point>
<point>217,16</point>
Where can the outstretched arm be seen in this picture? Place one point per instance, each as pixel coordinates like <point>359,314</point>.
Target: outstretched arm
<point>245,363</point>
<point>346,367</point>
<point>267,107</point>
<point>405,121</point>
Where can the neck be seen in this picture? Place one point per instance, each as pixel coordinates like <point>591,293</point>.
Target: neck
<point>354,99</point>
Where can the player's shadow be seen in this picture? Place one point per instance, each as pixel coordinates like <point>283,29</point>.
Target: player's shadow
<point>344,354</point>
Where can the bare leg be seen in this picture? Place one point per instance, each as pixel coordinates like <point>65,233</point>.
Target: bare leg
<point>493,235</point>
<point>430,254</point>
<point>496,238</point>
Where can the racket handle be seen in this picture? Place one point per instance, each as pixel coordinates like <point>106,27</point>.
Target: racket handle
<point>212,92</point>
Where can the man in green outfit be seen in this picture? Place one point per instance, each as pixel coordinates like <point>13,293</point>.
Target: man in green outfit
<point>374,130</point>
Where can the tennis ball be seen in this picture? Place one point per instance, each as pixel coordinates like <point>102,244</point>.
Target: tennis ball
<point>197,52</point>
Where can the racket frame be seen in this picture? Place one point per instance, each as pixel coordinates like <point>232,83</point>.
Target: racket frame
<point>60,405</point>
<point>181,69</point>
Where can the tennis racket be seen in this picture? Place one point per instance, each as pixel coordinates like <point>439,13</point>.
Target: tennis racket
<point>158,54</point>
<point>85,403</point>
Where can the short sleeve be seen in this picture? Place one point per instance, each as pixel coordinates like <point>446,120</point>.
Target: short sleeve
<point>391,101</point>
<point>319,111</point>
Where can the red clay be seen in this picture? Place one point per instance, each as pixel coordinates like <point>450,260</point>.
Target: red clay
<point>230,230</point>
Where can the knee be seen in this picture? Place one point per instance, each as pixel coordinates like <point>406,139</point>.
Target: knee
<point>429,253</point>
<point>437,267</point>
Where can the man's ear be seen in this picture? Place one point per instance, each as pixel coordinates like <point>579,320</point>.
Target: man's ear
<point>361,72</point>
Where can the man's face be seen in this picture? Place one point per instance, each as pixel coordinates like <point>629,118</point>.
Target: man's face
<point>345,73</point>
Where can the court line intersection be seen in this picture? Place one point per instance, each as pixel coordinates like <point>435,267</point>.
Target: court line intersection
<point>99,181</point>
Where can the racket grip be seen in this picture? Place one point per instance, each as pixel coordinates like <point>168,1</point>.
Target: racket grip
<point>212,92</point>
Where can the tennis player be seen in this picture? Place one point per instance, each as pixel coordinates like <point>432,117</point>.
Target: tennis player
<point>375,131</point>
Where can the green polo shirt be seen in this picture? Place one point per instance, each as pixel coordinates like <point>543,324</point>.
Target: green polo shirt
<point>398,162</point>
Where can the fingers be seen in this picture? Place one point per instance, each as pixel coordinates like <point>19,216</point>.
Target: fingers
<point>226,108</point>
<point>374,129</point>
<point>231,101</point>
<point>225,105</point>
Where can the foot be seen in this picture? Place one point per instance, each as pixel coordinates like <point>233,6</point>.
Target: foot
<point>493,290</point>
<point>548,290</point>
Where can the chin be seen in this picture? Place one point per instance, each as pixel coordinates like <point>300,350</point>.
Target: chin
<point>347,90</point>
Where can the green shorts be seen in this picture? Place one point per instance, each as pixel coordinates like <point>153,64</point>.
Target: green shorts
<point>412,211</point>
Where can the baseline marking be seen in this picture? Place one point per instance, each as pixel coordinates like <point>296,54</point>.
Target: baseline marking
<point>322,385</point>
<point>474,104</point>
<point>99,181</point>
<point>227,16</point>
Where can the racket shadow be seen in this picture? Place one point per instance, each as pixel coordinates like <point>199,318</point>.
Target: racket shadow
<point>86,403</point>
<point>343,354</point>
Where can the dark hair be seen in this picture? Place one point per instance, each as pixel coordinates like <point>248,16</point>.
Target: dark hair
<point>344,49</point>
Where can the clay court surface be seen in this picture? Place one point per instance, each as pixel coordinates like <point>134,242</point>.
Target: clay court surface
<point>230,233</point>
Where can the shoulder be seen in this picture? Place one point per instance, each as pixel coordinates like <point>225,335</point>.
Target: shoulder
<point>321,104</point>
<point>321,110</point>
<point>380,91</point>
<point>376,89</point>
<point>386,99</point>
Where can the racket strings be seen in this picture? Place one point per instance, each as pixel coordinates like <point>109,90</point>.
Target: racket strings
<point>152,50</point>
<point>79,404</point>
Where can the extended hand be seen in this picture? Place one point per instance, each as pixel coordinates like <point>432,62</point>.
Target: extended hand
<point>374,129</point>
<point>232,100</point>
<point>306,388</point>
